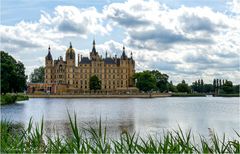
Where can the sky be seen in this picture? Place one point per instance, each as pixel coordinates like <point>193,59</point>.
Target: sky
<point>187,39</point>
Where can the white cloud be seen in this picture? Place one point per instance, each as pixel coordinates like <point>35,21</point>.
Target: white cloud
<point>234,6</point>
<point>210,38</point>
<point>187,42</point>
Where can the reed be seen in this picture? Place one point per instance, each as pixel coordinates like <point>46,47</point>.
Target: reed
<point>17,139</point>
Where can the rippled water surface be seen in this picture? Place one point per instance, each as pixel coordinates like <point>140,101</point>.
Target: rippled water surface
<point>145,116</point>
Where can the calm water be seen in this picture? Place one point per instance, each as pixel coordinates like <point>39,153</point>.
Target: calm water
<point>145,116</point>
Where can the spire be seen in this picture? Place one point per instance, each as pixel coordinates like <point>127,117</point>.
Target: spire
<point>70,45</point>
<point>49,55</point>
<point>106,53</point>
<point>94,49</point>
<point>131,55</point>
<point>94,42</point>
<point>124,56</point>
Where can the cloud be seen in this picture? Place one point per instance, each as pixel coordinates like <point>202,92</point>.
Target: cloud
<point>234,6</point>
<point>184,42</point>
<point>152,25</point>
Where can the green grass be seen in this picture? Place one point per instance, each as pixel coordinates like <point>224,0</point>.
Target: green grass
<point>228,95</point>
<point>188,95</point>
<point>16,139</point>
<point>12,98</point>
<point>22,97</point>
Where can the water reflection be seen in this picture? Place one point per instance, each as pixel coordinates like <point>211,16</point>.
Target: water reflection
<point>146,116</point>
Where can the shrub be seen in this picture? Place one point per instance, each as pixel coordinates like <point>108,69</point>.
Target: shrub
<point>8,99</point>
<point>22,97</point>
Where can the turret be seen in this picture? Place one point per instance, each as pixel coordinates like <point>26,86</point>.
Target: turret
<point>48,67</point>
<point>70,55</point>
<point>124,56</point>
<point>48,58</point>
<point>94,54</point>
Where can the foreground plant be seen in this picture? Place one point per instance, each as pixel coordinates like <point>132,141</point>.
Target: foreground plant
<point>16,139</point>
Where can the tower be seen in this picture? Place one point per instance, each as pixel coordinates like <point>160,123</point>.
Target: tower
<point>94,54</point>
<point>70,67</point>
<point>70,56</point>
<point>49,66</point>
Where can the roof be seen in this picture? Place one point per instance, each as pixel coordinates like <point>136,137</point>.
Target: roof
<point>49,56</point>
<point>94,49</point>
<point>124,56</point>
<point>85,60</point>
<point>109,61</point>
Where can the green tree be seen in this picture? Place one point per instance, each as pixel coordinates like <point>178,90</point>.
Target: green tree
<point>228,87</point>
<point>37,76</point>
<point>171,87</point>
<point>207,88</point>
<point>13,78</point>
<point>236,89</point>
<point>94,83</point>
<point>145,81</point>
<point>161,80</point>
<point>183,87</point>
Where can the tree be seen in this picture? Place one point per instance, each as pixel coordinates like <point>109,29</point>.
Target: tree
<point>236,89</point>
<point>161,80</point>
<point>38,75</point>
<point>208,88</point>
<point>228,87</point>
<point>183,87</point>
<point>13,78</point>
<point>201,86</point>
<point>145,81</point>
<point>171,87</point>
<point>94,83</point>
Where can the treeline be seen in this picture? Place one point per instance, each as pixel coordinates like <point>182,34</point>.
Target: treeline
<point>219,86</point>
<point>13,78</point>
<point>148,81</point>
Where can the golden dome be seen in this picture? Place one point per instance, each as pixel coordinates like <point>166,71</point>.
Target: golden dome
<point>70,49</point>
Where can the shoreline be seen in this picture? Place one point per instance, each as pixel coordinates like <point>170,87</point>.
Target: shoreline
<point>123,96</point>
<point>101,96</point>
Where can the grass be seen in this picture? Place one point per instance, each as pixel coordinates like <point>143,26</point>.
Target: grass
<point>16,139</point>
<point>12,98</point>
<point>188,95</point>
<point>228,95</point>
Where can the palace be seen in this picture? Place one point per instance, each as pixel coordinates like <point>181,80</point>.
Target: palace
<point>62,76</point>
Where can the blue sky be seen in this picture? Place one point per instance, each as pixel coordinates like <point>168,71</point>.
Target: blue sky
<point>14,11</point>
<point>185,39</point>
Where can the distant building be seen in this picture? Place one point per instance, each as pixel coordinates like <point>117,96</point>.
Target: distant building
<point>115,73</point>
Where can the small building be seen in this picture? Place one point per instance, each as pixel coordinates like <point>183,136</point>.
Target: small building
<point>46,88</point>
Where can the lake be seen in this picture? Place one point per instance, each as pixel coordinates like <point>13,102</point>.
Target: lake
<point>145,116</point>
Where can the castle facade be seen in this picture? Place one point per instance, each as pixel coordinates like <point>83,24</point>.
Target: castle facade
<point>115,73</point>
